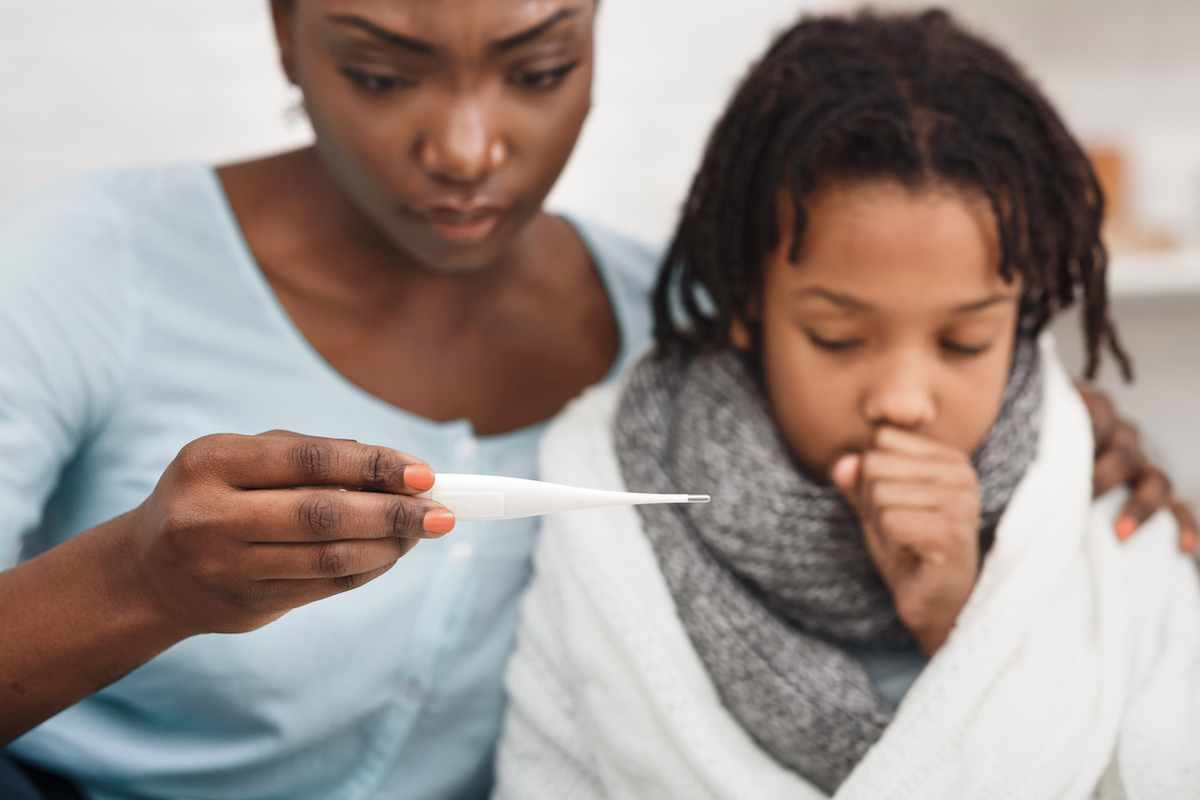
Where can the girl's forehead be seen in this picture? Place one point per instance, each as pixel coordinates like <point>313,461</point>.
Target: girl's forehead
<point>892,245</point>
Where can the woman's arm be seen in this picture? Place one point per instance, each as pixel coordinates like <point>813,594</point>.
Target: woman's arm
<point>1121,460</point>
<point>239,530</point>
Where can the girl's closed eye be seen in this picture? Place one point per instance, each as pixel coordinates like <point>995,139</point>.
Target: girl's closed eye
<point>976,337</point>
<point>963,348</point>
<point>834,343</point>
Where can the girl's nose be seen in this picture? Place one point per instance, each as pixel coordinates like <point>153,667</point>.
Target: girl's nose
<point>461,145</point>
<point>901,395</point>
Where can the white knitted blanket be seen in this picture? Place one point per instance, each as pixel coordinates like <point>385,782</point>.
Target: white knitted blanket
<point>1073,672</point>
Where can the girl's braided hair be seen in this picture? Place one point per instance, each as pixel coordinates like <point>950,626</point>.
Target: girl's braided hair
<point>910,98</point>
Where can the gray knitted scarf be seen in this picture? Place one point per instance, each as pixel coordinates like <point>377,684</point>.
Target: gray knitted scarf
<point>772,579</point>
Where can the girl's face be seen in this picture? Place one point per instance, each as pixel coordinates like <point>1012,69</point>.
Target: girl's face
<point>446,121</point>
<point>895,314</point>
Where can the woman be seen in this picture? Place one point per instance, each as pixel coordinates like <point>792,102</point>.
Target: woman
<point>398,284</point>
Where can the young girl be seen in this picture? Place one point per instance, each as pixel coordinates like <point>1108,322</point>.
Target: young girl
<point>888,216</point>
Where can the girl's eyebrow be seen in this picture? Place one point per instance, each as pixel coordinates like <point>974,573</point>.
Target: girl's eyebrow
<point>979,305</point>
<point>854,304</point>
<point>843,300</point>
<point>426,48</point>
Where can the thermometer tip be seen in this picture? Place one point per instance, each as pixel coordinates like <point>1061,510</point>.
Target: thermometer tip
<point>698,498</point>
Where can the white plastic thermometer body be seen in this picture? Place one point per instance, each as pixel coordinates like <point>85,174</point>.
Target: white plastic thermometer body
<point>479,497</point>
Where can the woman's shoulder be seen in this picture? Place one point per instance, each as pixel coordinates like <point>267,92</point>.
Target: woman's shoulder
<point>617,251</point>
<point>629,268</point>
<point>98,216</point>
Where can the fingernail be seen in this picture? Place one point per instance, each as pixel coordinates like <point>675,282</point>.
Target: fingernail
<point>1190,542</point>
<point>1125,527</point>
<point>438,520</point>
<point>419,477</point>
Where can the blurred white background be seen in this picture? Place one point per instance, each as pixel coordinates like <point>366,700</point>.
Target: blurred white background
<point>96,83</point>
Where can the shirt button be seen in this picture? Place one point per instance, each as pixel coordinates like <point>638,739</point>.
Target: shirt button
<point>414,690</point>
<point>466,449</point>
<point>462,552</point>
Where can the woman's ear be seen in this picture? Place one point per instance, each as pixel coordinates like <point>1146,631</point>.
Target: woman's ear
<point>739,334</point>
<point>283,14</point>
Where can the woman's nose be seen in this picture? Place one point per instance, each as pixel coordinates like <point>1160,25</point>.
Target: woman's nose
<point>461,145</point>
<point>901,395</point>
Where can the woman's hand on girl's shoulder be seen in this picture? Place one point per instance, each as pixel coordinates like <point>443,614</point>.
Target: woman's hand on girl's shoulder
<point>242,529</point>
<point>1120,461</point>
<point>918,503</point>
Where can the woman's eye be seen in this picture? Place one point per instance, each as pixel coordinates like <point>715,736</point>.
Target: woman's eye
<point>833,345</point>
<point>377,83</point>
<point>960,349</point>
<point>542,80</point>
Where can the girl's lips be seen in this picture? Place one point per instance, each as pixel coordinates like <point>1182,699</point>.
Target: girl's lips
<point>462,224</point>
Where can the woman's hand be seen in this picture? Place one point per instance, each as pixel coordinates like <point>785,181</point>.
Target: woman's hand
<point>241,529</point>
<point>1119,461</point>
<point>918,505</point>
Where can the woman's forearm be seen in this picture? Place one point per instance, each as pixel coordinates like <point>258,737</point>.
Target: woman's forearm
<point>74,620</point>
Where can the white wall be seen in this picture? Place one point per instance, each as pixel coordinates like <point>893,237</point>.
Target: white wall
<point>95,83</point>
<point>665,71</point>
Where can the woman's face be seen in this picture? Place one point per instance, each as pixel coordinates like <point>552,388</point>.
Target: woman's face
<point>445,121</point>
<point>895,314</point>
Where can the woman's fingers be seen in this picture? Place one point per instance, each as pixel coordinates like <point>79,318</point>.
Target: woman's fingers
<point>1151,491</point>
<point>341,558</point>
<point>207,529</point>
<point>281,459</point>
<point>1119,459</point>
<point>1189,533</point>
<point>279,595</point>
<point>322,515</point>
<point>1103,415</point>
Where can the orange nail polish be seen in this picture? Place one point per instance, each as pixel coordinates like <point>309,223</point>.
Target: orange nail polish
<point>1190,543</point>
<point>1125,527</point>
<point>419,477</point>
<point>438,520</point>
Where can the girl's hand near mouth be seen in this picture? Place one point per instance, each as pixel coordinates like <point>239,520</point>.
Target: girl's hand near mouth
<point>917,501</point>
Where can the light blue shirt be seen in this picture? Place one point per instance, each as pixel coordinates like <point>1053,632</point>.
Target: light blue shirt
<point>133,319</point>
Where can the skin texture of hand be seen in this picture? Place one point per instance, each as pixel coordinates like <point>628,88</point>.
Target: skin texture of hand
<point>918,504</point>
<point>242,529</point>
<point>238,531</point>
<point>1119,461</point>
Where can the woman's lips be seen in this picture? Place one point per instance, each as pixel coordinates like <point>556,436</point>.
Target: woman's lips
<point>464,224</point>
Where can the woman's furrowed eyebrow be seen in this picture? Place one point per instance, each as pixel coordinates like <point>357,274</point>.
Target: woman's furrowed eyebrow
<point>531,33</point>
<point>391,37</point>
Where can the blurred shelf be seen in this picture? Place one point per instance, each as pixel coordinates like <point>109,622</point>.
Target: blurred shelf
<point>1155,274</point>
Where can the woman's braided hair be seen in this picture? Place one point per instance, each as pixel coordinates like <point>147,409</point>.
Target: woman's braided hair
<point>910,98</point>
